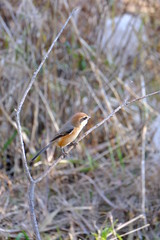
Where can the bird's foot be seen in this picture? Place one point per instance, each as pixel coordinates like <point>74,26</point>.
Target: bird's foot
<point>74,144</point>
<point>64,153</point>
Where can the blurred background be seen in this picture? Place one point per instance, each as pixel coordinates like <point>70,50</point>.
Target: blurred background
<point>109,53</point>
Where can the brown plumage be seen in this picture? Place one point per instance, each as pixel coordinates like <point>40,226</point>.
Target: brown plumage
<point>68,133</point>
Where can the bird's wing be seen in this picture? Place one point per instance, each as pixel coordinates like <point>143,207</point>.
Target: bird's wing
<point>65,130</point>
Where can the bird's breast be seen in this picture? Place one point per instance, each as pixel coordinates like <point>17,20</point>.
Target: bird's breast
<point>66,140</point>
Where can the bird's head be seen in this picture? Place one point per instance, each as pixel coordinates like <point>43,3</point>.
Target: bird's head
<point>80,119</point>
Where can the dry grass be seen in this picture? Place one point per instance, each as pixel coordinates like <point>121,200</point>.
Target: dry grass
<point>100,184</point>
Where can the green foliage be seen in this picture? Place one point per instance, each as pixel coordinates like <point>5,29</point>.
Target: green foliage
<point>59,232</point>
<point>82,63</point>
<point>80,58</point>
<point>22,235</point>
<point>6,42</point>
<point>9,140</point>
<point>119,154</point>
<point>104,233</point>
<point>87,166</point>
<point>68,47</point>
<point>92,164</point>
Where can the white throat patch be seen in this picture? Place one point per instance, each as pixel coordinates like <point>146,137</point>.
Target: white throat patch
<point>84,123</point>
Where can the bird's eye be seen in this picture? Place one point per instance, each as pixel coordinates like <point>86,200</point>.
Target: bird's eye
<point>82,119</point>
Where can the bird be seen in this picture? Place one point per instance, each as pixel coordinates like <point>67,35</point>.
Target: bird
<point>67,133</point>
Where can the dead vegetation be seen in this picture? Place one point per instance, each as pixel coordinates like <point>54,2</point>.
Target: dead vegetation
<point>112,177</point>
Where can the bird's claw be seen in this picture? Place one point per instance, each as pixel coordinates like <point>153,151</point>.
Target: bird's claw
<point>64,153</point>
<point>74,144</point>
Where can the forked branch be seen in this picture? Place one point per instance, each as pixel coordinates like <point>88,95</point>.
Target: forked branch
<point>18,111</point>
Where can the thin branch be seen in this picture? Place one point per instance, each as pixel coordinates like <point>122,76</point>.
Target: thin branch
<point>125,104</point>
<point>10,230</point>
<point>45,173</point>
<point>121,226</point>
<point>143,165</point>
<point>112,224</point>
<point>31,180</point>
<point>135,230</point>
<point>43,61</point>
<point>22,147</point>
<point>32,210</point>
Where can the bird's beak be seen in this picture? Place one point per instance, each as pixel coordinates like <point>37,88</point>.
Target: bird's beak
<point>89,117</point>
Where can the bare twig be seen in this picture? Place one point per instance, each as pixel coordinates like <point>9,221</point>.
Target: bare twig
<point>143,167</point>
<point>121,226</point>
<point>9,230</point>
<point>125,104</point>
<point>135,230</point>
<point>130,90</point>
<point>32,211</point>
<point>112,224</point>
<point>31,180</point>
<point>45,173</point>
<point>35,119</point>
<point>92,129</point>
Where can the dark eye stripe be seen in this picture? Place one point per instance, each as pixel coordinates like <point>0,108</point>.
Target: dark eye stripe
<point>82,119</point>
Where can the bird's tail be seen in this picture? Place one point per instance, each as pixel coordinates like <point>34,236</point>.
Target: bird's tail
<point>41,151</point>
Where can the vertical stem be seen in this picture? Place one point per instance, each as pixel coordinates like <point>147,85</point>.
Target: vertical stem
<point>143,176</point>
<point>143,166</point>
<point>32,210</point>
